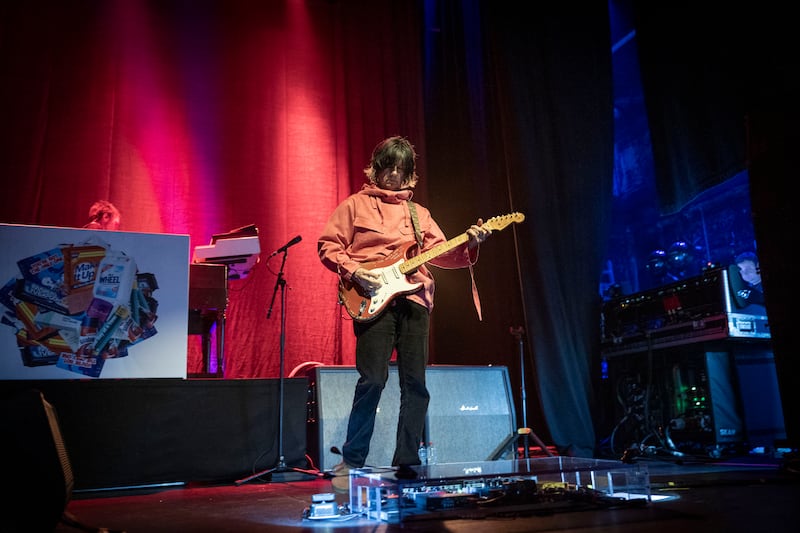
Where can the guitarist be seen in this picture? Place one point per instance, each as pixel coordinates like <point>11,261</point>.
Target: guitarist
<point>365,228</point>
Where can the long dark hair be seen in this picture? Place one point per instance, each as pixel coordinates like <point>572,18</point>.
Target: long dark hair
<point>391,152</point>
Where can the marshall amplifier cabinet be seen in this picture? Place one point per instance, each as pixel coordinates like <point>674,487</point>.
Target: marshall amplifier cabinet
<point>471,416</point>
<point>696,309</point>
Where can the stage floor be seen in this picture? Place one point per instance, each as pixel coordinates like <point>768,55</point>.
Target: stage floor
<point>751,493</point>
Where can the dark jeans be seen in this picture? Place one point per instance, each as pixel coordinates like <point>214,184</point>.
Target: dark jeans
<point>403,326</point>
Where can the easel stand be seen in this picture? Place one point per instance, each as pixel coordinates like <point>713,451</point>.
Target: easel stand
<point>281,466</point>
<point>525,432</point>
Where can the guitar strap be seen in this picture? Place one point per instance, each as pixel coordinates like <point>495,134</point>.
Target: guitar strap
<point>415,221</point>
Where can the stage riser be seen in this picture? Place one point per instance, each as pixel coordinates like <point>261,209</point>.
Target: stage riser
<point>132,432</point>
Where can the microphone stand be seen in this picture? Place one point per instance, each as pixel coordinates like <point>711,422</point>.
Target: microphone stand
<point>525,431</point>
<point>281,466</point>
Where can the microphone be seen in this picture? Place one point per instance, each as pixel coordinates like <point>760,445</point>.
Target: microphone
<point>287,245</point>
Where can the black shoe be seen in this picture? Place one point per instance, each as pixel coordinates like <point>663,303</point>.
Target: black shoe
<point>405,472</point>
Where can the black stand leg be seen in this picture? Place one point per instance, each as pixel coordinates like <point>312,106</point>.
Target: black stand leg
<point>281,466</point>
<point>525,431</point>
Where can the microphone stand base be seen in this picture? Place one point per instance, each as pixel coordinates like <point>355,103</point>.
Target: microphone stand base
<point>283,473</point>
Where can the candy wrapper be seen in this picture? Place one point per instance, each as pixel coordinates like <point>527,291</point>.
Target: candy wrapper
<point>27,313</point>
<point>42,280</point>
<point>35,353</point>
<point>84,362</point>
<point>8,303</point>
<point>115,280</point>
<point>81,269</point>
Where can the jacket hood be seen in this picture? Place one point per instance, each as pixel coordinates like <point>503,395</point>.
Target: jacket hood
<point>390,197</point>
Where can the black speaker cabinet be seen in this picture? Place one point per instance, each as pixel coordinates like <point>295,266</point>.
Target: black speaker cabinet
<point>331,391</point>
<point>725,405</point>
<point>38,473</point>
<point>471,413</point>
<point>761,396</point>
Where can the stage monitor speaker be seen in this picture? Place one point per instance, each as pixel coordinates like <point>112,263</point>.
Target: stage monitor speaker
<point>38,472</point>
<point>471,413</point>
<point>331,391</point>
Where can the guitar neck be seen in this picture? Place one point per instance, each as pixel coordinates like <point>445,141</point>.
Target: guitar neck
<point>415,262</point>
<point>493,224</point>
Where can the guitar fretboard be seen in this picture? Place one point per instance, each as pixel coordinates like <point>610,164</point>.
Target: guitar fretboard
<point>412,264</point>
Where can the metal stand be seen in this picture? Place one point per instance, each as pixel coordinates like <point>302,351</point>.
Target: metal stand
<point>281,466</point>
<point>525,431</point>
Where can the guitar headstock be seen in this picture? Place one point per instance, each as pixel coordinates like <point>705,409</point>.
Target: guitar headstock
<point>499,222</point>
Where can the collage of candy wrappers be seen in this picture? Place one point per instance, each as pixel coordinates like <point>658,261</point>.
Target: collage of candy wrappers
<point>76,305</point>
